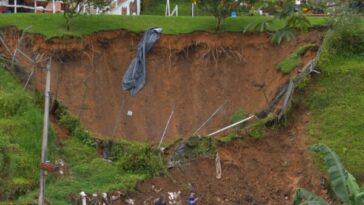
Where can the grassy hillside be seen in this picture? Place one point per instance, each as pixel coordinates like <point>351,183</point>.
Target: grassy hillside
<point>336,104</point>
<point>53,25</point>
<point>20,146</point>
<point>20,138</point>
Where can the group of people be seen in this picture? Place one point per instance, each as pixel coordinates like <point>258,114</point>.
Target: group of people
<point>191,200</point>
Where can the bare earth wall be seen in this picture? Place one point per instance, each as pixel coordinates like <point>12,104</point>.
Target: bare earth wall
<point>193,74</point>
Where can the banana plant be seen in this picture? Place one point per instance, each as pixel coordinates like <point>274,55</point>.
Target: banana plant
<point>304,197</point>
<point>344,184</point>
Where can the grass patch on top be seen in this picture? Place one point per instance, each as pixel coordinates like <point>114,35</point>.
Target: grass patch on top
<point>294,59</point>
<point>336,104</point>
<point>53,25</point>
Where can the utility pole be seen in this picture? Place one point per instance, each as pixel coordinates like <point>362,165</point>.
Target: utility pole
<point>45,132</point>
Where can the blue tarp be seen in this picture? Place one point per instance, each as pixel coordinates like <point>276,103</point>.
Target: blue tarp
<point>135,76</point>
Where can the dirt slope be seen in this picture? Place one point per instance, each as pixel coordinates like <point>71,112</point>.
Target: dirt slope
<point>193,74</point>
<point>254,172</point>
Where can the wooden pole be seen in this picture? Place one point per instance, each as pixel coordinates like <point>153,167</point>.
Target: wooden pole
<point>45,132</point>
<point>35,6</point>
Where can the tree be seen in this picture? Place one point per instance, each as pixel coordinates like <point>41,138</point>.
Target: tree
<point>71,8</point>
<point>220,9</point>
<point>343,183</point>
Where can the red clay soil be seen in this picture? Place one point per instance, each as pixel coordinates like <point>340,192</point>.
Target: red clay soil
<point>193,74</point>
<point>254,172</point>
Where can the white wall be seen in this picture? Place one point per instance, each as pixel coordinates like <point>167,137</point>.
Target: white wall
<point>118,9</point>
<point>2,2</point>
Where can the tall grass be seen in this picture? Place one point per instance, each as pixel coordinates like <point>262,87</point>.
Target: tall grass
<point>20,139</point>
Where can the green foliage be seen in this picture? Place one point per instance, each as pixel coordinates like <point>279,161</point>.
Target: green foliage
<point>304,197</point>
<point>337,173</point>
<point>345,38</point>
<point>236,117</point>
<point>259,26</point>
<point>71,6</point>
<point>229,138</point>
<point>202,146</point>
<point>294,59</point>
<point>73,125</point>
<point>84,136</point>
<point>13,103</point>
<point>69,121</point>
<point>220,9</point>
<point>257,129</point>
<point>20,139</point>
<point>137,158</point>
<point>281,34</point>
<point>298,21</point>
<point>342,182</point>
<point>87,172</point>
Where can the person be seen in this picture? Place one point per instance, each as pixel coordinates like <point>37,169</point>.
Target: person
<point>160,201</point>
<point>192,199</point>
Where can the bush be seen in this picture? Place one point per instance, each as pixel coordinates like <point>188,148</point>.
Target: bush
<point>345,38</point>
<point>257,129</point>
<point>236,117</point>
<point>137,158</point>
<point>294,59</point>
<point>70,122</point>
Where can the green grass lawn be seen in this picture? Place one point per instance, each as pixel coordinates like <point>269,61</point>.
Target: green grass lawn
<point>51,25</point>
<point>336,103</point>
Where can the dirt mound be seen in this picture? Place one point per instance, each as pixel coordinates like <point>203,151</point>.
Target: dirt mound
<point>266,171</point>
<point>191,74</point>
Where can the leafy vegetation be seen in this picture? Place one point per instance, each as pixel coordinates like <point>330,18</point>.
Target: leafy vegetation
<point>220,9</point>
<point>342,182</point>
<point>20,139</point>
<point>294,59</point>
<point>71,8</point>
<point>257,129</point>
<point>87,172</point>
<point>303,196</point>
<point>51,25</point>
<point>287,11</point>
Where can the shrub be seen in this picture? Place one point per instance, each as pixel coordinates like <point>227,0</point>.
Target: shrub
<point>220,9</point>
<point>294,59</point>
<point>137,158</point>
<point>284,33</point>
<point>70,122</point>
<point>257,129</point>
